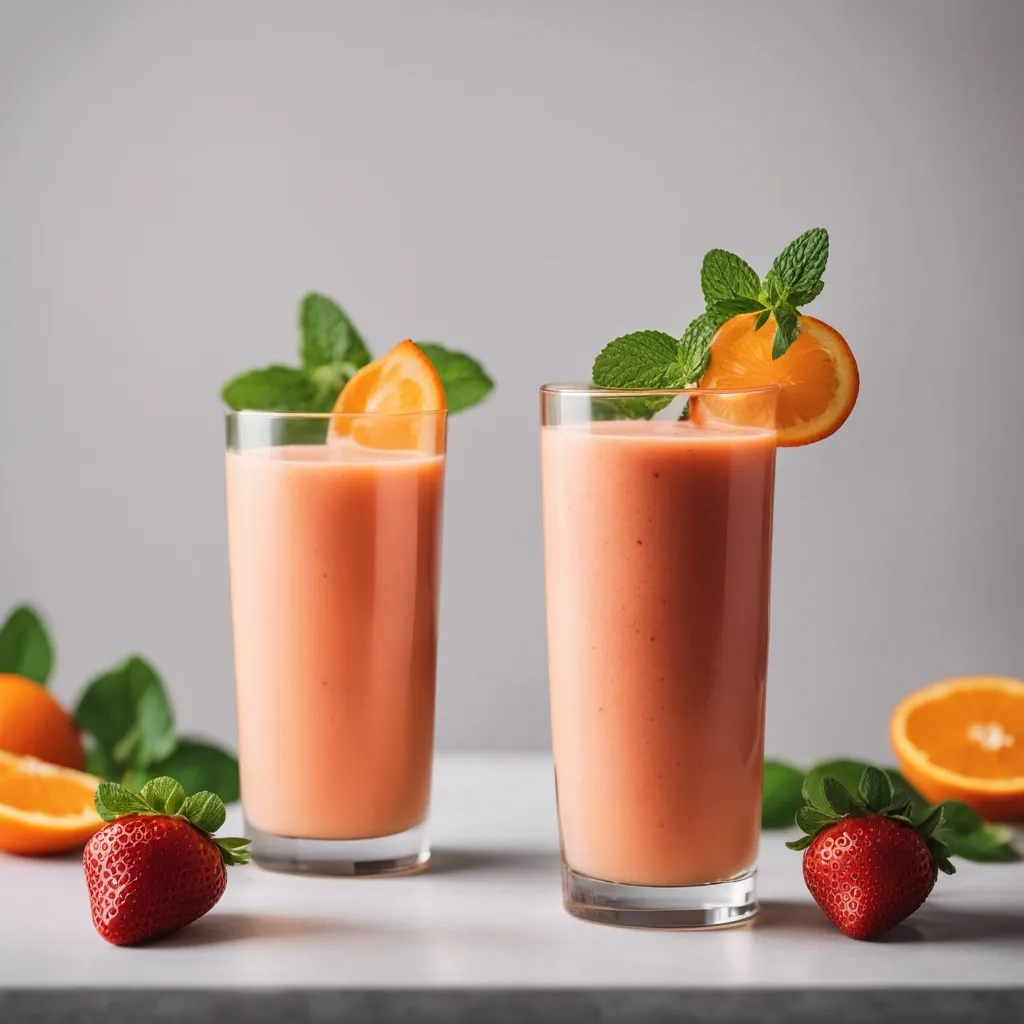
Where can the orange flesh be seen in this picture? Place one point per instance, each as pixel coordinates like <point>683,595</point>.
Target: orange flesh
<point>41,794</point>
<point>818,377</point>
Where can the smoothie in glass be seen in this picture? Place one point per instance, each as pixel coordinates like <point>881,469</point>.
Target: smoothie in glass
<point>657,541</point>
<point>334,559</point>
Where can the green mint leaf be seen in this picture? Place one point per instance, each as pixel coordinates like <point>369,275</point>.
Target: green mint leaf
<point>787,329</point>
<point>800,844</point>
<point>205,811</point>
<point>802,262</point>
<point>164,794</point>
<point>126,711</point>
<point>644,359</point>
<point>723,275</point>
<point>328,336</point>
<point>844,770</point>
<point>465,381</point>
<point>801,296</point>
<point>773,291</point>
<point>781,795</point>
<point>113,800</point>
<point>628,408</point>
<point>201,766</point>
<point>278,389</point>
<point>726,308</point>
<point>812,821</point>
<point>762,319</point>
<point>234,851</point>
<point>875,789</point>
<point>694,349</point>
<point>839,798</point>
<point>967,836</point>
<point>25,645</point>
<point>101,762</point>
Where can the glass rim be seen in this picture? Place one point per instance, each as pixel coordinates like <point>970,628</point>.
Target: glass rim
<point>269,414</point>
<point>593,391</point>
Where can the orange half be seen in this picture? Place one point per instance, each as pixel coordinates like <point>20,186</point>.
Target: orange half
<point>45,808</point>
<point>391,391</point>
<point>963,739</point>
<point>817,377</point>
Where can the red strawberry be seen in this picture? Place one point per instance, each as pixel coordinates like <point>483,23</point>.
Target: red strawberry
<point>867,866</point>
<point>156,867</point>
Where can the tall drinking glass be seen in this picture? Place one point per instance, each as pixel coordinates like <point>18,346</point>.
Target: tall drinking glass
<point>657,548</point>
<point>334,530</point>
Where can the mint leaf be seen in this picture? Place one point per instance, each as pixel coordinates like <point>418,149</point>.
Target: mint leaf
<point>100,762</point>
<point>723,275</point>
<point>127,712</point>
<point>201,766</point>
<point>278,389</point>
<point>781,795</point>
<point>465,381</point>
<point>112,801</point>
<point>642,360</point>
<point>762,319</point>
<point>787,329</point>
<point>799,266</point>
<point>328,336</point>
<point>694,349</point>
<point>205,811</point>
<point>967,836</point>
<point>234,851</point>
<point>164,795</point>
<point>726,308</point>
<point>25,645</point>
<point>801,296</point>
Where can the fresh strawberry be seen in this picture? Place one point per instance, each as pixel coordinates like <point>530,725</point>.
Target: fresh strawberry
<point>867,865</point>
<point>156,866</point>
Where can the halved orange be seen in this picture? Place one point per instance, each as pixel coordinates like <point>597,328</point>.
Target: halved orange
<point>391,391</point>
<point>45,808</point>
<point>963,739</point>
<point>818,378</point>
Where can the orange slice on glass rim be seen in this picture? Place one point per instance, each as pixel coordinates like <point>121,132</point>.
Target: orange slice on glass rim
<point>963,739</point>
<point>817,377</point>
<point>45,808</point>
<point>393,392</point>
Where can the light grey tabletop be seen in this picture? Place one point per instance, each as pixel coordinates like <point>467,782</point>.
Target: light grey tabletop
<point>488,916</point>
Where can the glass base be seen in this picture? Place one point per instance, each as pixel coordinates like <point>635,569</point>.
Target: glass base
<point>402,853</point>
<point>714,905</point>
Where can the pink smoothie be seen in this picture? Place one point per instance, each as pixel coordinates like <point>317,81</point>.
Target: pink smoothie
<point>335,557</point>
<point>657,550</point>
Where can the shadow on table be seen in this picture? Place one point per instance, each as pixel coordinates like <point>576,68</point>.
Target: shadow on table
<point>450,861</point>
<point>235,927</point>
<point>929,924</point>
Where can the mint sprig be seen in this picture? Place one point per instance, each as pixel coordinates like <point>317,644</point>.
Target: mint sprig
<point>25,645</point>
<point>331,351</point>
<point>654,360</point>
<point>875,796</point>
<point>166,797</point>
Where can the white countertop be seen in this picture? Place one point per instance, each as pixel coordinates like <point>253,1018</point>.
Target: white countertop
<point>488,914</point>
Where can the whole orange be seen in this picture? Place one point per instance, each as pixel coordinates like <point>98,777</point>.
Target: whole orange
<point>33,723</point>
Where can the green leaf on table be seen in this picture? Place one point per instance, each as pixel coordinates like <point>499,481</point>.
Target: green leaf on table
<point>198,765</point>
<point>725,276</point>
<point>465,380</point>
<point>781,795</point>
<point>968,836</point>
<point>205,810</point>
<point>25,645</point>
<point>278,389</point>
<point>126,711</point>
<point>328,335</point>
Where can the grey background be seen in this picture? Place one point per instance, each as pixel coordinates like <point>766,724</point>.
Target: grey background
<point>525,181</point>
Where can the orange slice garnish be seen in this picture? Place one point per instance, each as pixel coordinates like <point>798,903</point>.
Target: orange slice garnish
<point>817,377</point>
<point>391,390</point>
<point>45,808</point>
<point>963,739</point>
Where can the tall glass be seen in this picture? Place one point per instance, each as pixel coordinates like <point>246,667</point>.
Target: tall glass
<point>334,530</point>
<point>657,544</point>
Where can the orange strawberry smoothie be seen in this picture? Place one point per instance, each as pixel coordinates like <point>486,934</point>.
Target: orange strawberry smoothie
<point>335,559</point>
<point>657,553</point>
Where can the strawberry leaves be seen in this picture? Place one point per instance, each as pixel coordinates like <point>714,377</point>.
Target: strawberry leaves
<point>830,802</point>
<point>165,797</point>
